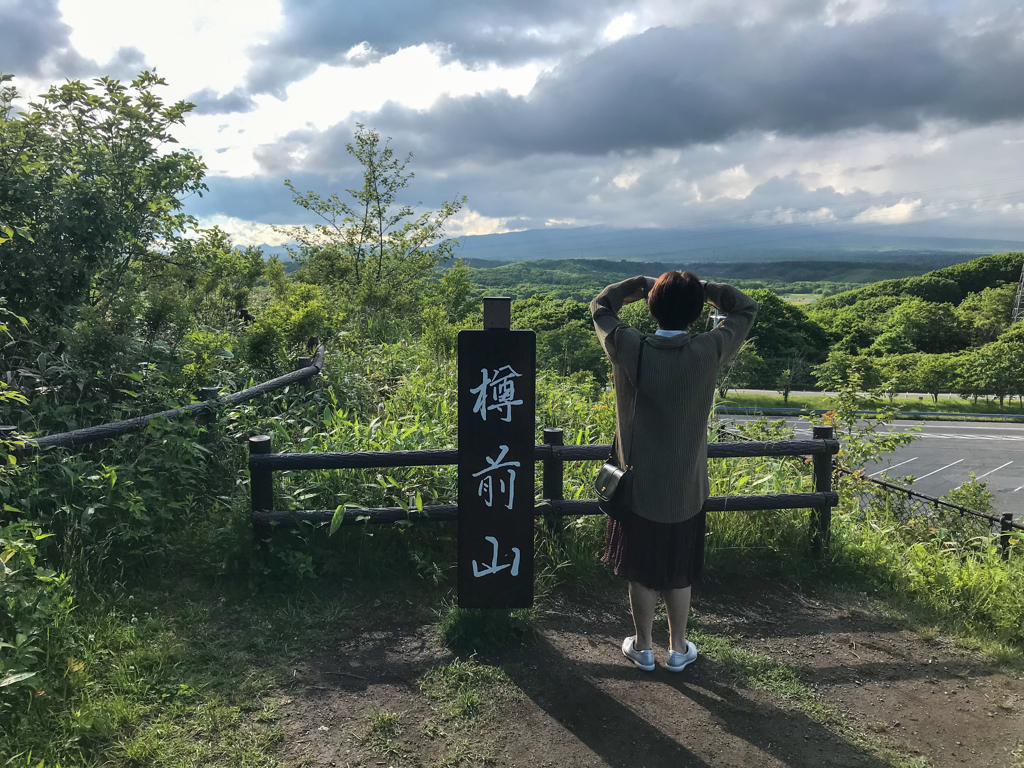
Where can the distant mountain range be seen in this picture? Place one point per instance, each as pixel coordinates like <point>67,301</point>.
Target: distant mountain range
<point>688,247</point>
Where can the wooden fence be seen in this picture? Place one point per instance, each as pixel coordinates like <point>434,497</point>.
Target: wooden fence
<point>263,462</point>
<point>307,368</point>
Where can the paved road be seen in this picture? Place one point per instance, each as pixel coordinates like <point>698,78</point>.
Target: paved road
<point>945,454</point>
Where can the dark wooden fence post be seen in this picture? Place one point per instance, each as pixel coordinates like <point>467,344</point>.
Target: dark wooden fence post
<point>821,518</point>
<point>208,394</point>
<point>261,488</point>
<point>553,481</point>
<point>305,362</point>
<point>1005,529</point>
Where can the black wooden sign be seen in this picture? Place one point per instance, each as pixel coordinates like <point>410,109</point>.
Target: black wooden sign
<point>497,373</point>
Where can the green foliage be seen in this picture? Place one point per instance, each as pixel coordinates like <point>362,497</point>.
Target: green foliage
<point>840,368</point>
<point>987,314</point>
<point>85,172</point>
<point>36,602</point>
<point>921,326</point>
<point>566,342</point>
<point>460,688</point>
<point>449,307</point>
<point>468,631</point>
<point>374,255</point>
<point>787,341</point>
<point>936,374</point>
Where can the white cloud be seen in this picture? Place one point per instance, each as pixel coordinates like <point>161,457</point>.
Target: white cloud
<point>903,211</point>
<point>244,232</point>
<point>626,179</point>
<point>195,44</point>
<point>620,26</point>
<point>469,222</point>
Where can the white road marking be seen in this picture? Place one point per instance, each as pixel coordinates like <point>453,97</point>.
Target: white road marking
<point>1017,488</point>
<point>994,470</point>
<point>978,477</point>
<point>922,477</point>
<point>893,467</point>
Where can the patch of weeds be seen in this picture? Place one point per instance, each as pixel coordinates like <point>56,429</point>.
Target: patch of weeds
<point>1018,757</point>
<point>431,729</point>
<point>468,631</point>
<point>462,687</point>
<point>461,753</point>
<point>756,670</point>
<point>384,729</point>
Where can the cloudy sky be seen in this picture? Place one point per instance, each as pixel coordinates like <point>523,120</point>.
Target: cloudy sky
<point>889,115</point>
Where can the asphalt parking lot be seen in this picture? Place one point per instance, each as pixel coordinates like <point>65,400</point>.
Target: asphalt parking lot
<point>947,452</point>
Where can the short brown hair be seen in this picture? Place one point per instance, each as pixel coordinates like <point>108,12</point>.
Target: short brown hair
<point>676,300</point>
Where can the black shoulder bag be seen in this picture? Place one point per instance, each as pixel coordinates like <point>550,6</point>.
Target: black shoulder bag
<point>614,484</point>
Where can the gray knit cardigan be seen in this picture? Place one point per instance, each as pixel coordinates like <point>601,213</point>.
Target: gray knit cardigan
<point>669,449</point>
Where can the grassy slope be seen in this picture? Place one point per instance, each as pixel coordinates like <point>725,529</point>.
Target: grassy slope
<point>959,405</point>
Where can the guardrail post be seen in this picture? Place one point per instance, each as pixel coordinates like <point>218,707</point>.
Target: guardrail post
<point>553,477</point>
<point>821,518</point>
<point>1005,529</point>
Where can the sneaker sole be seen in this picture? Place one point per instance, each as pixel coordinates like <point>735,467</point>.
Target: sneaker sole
<point>639,665</point>
<point>681,667</point>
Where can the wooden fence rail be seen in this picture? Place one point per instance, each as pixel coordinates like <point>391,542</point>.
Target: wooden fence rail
<point>307,368</point>
<point>263,463</point>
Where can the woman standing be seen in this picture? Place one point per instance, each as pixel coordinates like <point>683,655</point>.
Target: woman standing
<point>660,546</point>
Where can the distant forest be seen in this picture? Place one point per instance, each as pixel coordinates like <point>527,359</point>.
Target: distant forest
<point>581,279</point>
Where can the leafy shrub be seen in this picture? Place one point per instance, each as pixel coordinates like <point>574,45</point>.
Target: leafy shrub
<point>36,603</point>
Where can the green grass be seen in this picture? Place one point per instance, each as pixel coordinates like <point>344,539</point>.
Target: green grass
<point>383,731</point>
<point>957,405</point>
<point>459,687</point>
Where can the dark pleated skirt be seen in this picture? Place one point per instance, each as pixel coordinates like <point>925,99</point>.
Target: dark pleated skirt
<point>657,555</point>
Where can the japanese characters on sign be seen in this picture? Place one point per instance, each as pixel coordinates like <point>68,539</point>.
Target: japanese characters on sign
<point>496,435</point>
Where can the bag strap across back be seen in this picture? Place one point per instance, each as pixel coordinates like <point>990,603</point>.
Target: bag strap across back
<point>636,396</point>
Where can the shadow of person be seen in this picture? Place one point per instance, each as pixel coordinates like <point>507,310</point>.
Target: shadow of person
<point>735,727</point>
<point>613,731</point>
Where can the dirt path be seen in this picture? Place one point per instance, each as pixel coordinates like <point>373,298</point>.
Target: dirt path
<point>881,696</point>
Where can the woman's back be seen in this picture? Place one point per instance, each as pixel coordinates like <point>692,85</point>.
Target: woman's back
<point>667,436</point>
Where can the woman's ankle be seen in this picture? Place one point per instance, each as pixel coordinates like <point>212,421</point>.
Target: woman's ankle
<point>679,648</point>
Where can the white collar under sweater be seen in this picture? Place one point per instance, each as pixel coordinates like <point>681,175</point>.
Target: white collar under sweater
<point>669,334</point>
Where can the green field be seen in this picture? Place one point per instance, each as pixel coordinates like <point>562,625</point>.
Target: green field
<point>958,405</point>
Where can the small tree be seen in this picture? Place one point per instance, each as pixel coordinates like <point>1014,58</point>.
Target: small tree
<point>86,179</point>
<point>741,369</point>
<point>936,374</point>
<point>840,367</point>
<point>375,253</point>
<point>897,375</point>
<point>794,371</point>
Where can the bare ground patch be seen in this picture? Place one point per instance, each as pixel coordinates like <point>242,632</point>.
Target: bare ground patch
<point>863,692</point>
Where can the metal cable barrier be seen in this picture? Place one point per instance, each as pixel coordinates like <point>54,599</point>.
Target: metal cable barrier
<point>909,505</point>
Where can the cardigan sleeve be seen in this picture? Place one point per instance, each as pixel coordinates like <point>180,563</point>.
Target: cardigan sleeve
<point>620,341</point>
<point>740,311</point>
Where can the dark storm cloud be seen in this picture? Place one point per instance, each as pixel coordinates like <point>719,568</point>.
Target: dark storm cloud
<point>677,87</point>
<point>476,32</point>
<point>31,30</point>
<point>209,103</point>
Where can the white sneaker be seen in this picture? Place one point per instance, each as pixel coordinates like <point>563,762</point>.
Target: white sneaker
<point>677,662</point>
<point>643,659</point>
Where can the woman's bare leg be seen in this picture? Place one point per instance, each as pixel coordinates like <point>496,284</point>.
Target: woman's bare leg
<point>642,602</point>
<point>677,602</point>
